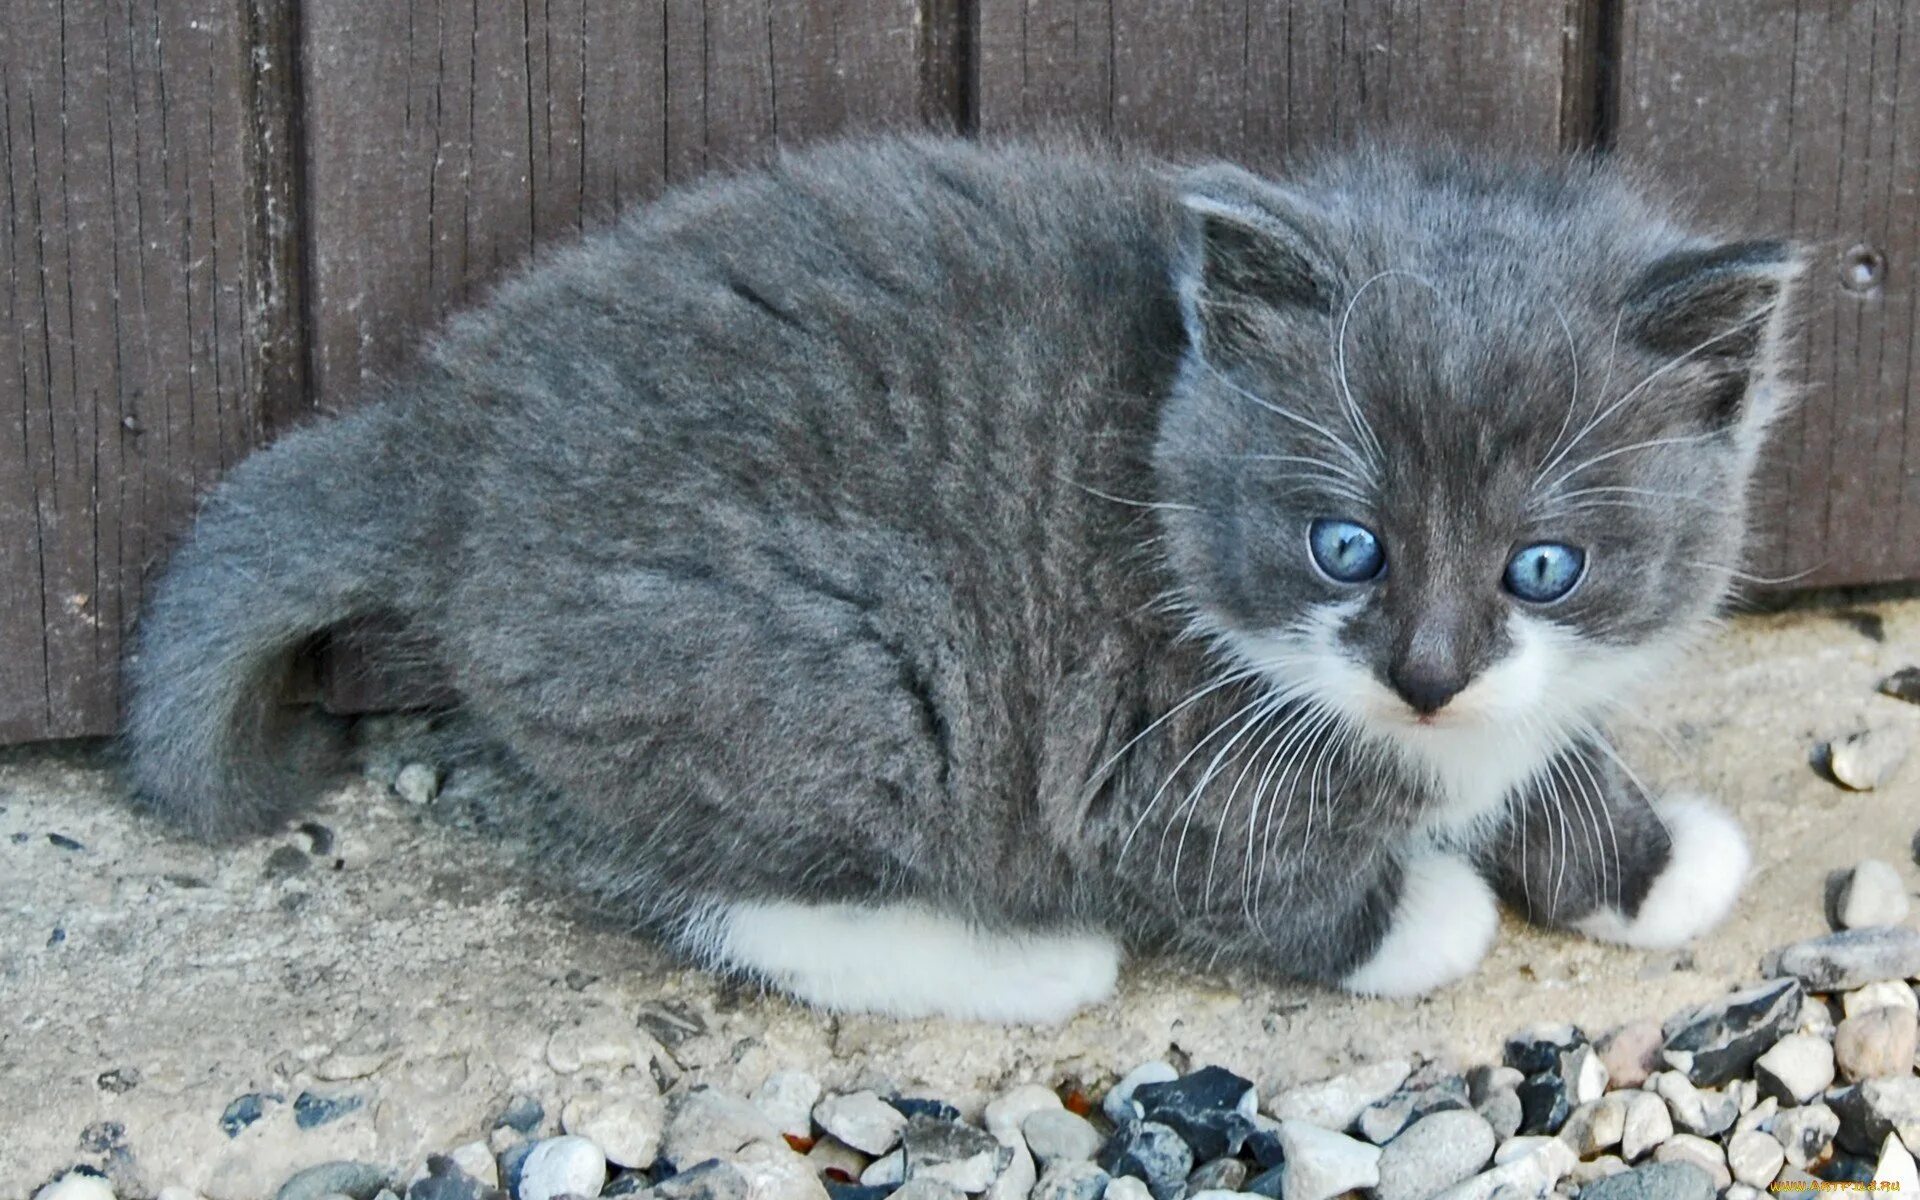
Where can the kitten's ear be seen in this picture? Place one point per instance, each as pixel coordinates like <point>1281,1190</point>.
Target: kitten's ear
<point>1253,256</point>
<point>1715,313</point>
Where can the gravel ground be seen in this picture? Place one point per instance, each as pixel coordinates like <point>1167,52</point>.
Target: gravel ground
<point>378,986</point>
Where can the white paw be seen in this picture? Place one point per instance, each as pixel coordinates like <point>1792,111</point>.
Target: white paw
<point>907,961</point>
<point>1442,927</point>
<point>1699,885</point>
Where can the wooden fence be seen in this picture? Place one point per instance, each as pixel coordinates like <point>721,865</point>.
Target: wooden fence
<point>222,216</point>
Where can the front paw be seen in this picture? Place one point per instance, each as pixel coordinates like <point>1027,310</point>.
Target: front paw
<point>1442,926</point>
<point>1706,866</point>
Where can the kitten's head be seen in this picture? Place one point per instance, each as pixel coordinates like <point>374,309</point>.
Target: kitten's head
<point>1461,450</point>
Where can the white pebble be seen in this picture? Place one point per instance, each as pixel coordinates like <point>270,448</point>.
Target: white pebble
<point>1118,1102</point>
<point>889,1170</point>
<point>1871,894</point>
<point>1896,1173</point>
<point>1005,1114</point>
<point>1865,760</point>
<point>1647,1124</point>
<point>1016,1180</point>
<point>1334,1103</point>
<point>1533,1174</point>
<point>1887,993</point>
<point>176,1192</point>
<point>777,1173</point>
<point>76,1186</point>
<point>476,1162</point>
<point>1878,1043</point>
<point>1322,1164</point>
<point>787,1099</point>
<point>1686,1148</point>
<point>1755,1158</point>
<point>417,783</point>
<point>1126,1187</point>
<point>1799,1066</point>
<point>861,1120</point>
<point>1518,1147</point>
<point>625,1126</point>
<point>562,1166</point>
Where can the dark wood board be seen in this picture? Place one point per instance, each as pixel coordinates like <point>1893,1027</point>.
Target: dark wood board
<point>146,338</point>
<point>1263,81</point>
<point>1803,118</point>
<point>445,141</point>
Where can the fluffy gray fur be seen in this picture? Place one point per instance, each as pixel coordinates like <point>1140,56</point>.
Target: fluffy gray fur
<point>882,526</point>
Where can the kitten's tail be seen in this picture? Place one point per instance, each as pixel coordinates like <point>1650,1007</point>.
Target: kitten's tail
<point>310,532</point>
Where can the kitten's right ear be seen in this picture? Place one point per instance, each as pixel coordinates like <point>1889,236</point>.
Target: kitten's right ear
<point>1253,256</point>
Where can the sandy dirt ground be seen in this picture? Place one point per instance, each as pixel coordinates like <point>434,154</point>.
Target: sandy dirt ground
<point>414,977</point>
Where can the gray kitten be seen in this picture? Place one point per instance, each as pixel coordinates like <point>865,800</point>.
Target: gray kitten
<point>919,568</point>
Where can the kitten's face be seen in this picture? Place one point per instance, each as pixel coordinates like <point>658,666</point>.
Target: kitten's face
<point>1461,459</point>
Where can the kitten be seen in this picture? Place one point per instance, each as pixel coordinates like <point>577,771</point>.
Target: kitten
<point>914,571</point>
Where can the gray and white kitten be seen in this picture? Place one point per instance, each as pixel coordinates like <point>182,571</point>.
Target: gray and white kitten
<point>918,569</point>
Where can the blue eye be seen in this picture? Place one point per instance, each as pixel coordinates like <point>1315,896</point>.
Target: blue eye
<point>1347,552</point>
<point>1542,574</point>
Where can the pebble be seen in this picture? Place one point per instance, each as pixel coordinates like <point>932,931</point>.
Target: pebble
<point>1632,1052</point>
<point>1797,1068</point>
<point>1888,993</point>
<point>1334,1103</point>
<point>1151,1152</point>
<point>829,1154</point>
<point>330,1178</point>
<point>1903,684</point>
<point>1876,1043</point>
<point>1544,1103</point>
<point>1322,1164</point>
<point>927,1189</point>
<point>1867,759</point>
<point>312,1109</point>
<point>1056,1135</point>
<point>561,1166</point>
<point>600,1038</point>
<point>1516,1148</point>
<point>706,1123</point>
<point>626,1126</point>
<point>1760,1116</point>
<point>1871,893</point>
<point>1725,1037</point>
<point>1529,1176</point>
<point>442,1179</point>
<point>1597,1125</point>
<point>889,1170</point>
<point>920,1106</point>
<point>521,1113</point>
<point>1005,1115</point>
<point>1126,1187</point>
<point>775,1172</point>
<point>1740,1191</point>
<point>1647,1124</point>
<point>417,783</point>
<point>1755,1158</point>
<point>1118,1102</point>
<point>477,1162</point>
<point>1806,1133</point>
<point>862,1120</point>
<point>1851,958</point>
<point>1432,1154</point>
<point>1071,1181</point>
<point>1869,1111</point>
<point>1208,1108</point>
<point>1383,1120</point>
<point>1704,1113</point>
<point>1269,1183</point>
<point>1699,1152</point>
<point>77,1185</point>
<point>1655,1181</point>
<point>1503,1111</point>
<point>708,1181</point>
<point>1895,1172</point>
<point>1540,1047</point>
<point>1220,1175</point>
<point>786,1098</point>
<point>1596,1169</point>
<point>955,1152</point>
<point>1016,1179</point>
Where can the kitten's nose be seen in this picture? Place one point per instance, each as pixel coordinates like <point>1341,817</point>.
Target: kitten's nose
<point>1427,686</point>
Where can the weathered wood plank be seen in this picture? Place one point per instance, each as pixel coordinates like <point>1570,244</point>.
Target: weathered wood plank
<point>445,141</point>
<point>1262,82</point>
<point>145,333</point>
<point>1792,117</point>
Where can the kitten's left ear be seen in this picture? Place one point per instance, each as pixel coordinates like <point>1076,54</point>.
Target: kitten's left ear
<point>1716,314</point>
<point>1253,257</point>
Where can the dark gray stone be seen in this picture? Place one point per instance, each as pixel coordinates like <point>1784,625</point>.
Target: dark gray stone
<point>446,1181</point>
<point>713,1180</point>
<point>244,1111</point>
<point>1544,1104</point>
<point>1851,958</point>
<point>1268,1183</point>
<point>1152,1153</point>
<point>1655,1181</point>
<point>1203,1108</point>
<point>312,1110</point>
<point>359,1180</point>
<point>1726,1036</point>
<point>1538,1049</point>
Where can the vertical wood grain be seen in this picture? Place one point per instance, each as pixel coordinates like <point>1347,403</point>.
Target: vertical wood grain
<point>1797,117</point>
<point>145,315</point>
